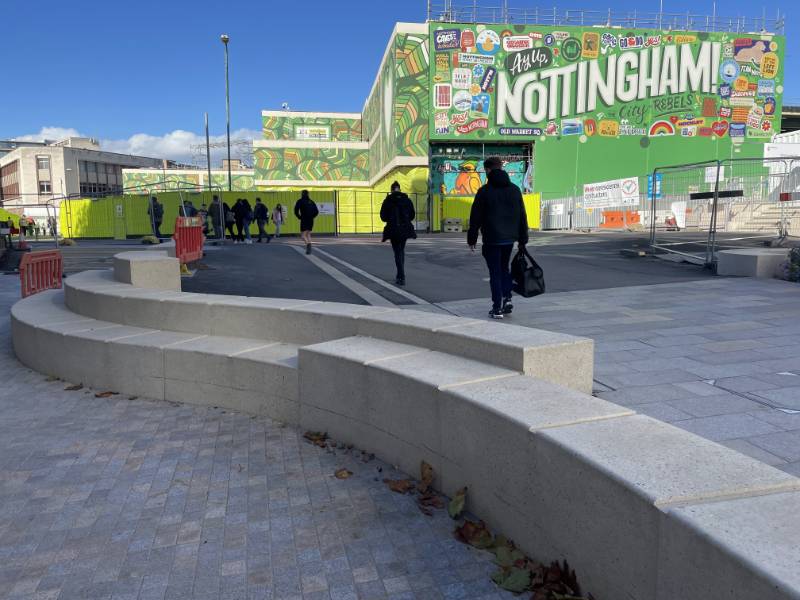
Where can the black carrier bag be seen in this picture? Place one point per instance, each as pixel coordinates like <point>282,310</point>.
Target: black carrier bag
<point>527,274</point>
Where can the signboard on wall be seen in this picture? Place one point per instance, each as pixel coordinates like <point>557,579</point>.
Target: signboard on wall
<point>521,81</point>
<point>326,208</point>
<point>312,132</point>
<point>608,194</point>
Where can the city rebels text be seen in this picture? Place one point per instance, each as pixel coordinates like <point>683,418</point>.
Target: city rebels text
<point>577,88</point>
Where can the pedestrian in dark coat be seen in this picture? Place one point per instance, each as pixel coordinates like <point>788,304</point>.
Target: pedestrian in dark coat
<point>397,211</point>
<point>261,215</point>
<point>498,213</point>
<point>306,210</point>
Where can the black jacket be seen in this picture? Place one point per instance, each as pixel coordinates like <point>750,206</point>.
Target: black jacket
<point>305,208</point>
<point>243,211</point>
<point>261,213</point>
<point>498,212</point>
<point>398,213</point>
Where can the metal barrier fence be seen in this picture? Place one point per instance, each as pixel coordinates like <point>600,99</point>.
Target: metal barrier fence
<point>734,203</point>
<point>360,211</point>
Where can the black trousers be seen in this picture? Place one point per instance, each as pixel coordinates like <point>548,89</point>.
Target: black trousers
<point>498,257</point>
<point>261,232</point>
<point>399,248</point>
<point>240,229</point>
<point>229,227</point>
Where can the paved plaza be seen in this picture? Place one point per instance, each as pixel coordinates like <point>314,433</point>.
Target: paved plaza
<point>718,357</point>
<point>131,499</point>
<point>115,497</point>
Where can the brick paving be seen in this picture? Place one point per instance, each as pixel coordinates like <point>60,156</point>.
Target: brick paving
<point>131,499</point>
<point>718,357</point>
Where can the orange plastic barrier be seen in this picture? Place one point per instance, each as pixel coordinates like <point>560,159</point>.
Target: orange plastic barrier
<point>189,239</point>
<point>39,271</point>
<point>617,219</point>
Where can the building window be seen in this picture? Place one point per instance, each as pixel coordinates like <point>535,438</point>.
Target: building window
<point>45,187</point>
<point>43,162</point>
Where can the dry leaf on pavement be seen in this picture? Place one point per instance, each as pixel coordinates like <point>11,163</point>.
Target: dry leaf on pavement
<point>426,477</point>
<point>74,388</point>
<point>342,474</point>
<point>318,438</point>
<point>456,506</point>
<point>401,486</point>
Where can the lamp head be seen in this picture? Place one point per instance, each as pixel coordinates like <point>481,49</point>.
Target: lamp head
<point>224,37</point>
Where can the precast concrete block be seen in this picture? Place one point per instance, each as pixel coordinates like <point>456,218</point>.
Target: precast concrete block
<point>325,321</point>
<point>333,374</point>
<point>146,269</point>
<point>750,262</point>
<point>258,318</point>
<point>271,369</point>
<point>158,309</point>
<point>486,428</point>
<point>601,487</point>
<point>408,326</point>
<point>737,549</point>
<point>555,357</point>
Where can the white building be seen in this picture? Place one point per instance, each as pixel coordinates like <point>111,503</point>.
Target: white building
<point>34,177</point>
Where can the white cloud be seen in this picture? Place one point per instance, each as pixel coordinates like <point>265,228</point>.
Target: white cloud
<point>175,145</point>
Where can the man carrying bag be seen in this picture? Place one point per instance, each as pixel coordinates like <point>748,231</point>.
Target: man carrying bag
<point>498,213</point>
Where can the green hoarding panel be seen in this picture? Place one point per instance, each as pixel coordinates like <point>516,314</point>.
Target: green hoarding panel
<point>648,98</point>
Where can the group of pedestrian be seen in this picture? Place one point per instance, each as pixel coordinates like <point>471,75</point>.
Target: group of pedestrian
<point>497,214</point>
<point>224,217</point>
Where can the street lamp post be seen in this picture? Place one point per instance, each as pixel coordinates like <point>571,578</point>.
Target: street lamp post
<point>225,39</point>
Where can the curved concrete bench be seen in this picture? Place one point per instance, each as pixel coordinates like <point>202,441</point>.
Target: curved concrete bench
<point>559,358</point>
<point>641,509</point>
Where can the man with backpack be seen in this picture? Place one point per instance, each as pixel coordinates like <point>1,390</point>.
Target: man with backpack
<point>156,212</point>
<point>498,213</point>
<point>261,215</point>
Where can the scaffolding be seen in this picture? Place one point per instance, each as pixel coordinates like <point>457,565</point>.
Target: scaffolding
<point>501,12</point>
<point>241,149</point>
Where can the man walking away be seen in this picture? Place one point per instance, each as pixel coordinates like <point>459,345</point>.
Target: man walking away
<point>306,210</point>
<point>216,218</point>
<point>248,218</point>
<point>261,214</point>
<point>498,212</point>
<point>203,214</point>
<point>156,212</point>
<point>398,213</point>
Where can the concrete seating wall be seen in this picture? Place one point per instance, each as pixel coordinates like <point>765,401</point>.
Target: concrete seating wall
<point>641,509</point>
<point>563,359</point>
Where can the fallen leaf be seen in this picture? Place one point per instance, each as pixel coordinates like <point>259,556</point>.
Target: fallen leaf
<point>74,388</point>
<point>401,486</point>
<point>133,397</point>
<point>426,477</point>
<point>431,499</point>
<point>52,378</point>
<point>456,506</point>
<point>514,579</point>
<point>318,438</point>
<point>342,474</point>
<point>507,556</point>
<point>475,534</point>
<point>105,394</point>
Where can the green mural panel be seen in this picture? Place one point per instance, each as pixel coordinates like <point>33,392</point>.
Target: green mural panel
<point>310,128</point>
<point>311,164</point>
<point>647,98</point>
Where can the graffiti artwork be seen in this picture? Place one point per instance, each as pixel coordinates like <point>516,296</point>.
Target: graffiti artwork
<point>563,80</point>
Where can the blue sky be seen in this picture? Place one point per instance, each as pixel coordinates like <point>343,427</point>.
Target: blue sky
<point>141,74</point>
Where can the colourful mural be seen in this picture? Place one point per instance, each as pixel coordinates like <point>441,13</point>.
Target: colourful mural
<point>311,164</point>
<point>136,180</point>
<point>463,177</point>
<point>290,127</point>
<point>583,94</point>
<point>396,112</point>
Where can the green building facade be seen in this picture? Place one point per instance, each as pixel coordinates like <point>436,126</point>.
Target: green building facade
<point>562,106</point>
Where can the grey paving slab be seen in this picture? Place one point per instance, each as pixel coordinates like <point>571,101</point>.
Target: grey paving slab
<point>120,498</point>
<point>719,357</point>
